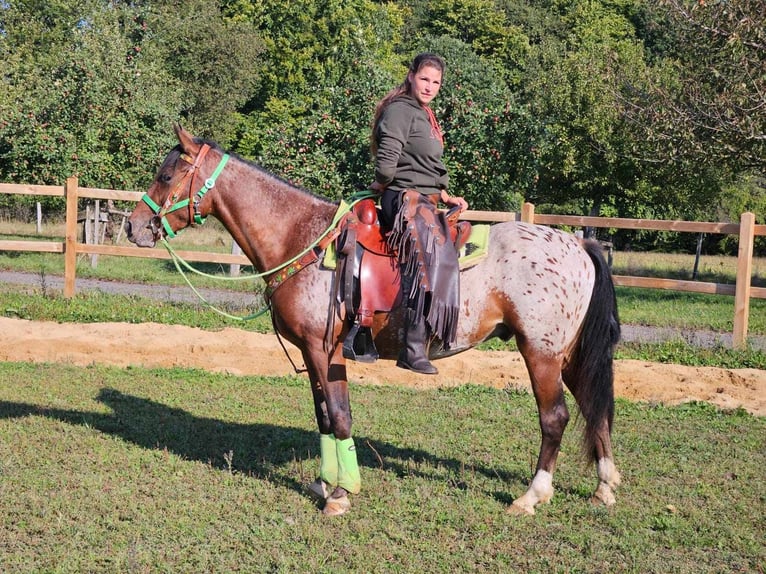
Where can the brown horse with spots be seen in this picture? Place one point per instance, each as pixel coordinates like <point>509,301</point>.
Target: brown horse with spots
<point>550,290</point>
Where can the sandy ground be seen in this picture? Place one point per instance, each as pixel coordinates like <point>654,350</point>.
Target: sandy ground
<point>240,352</point>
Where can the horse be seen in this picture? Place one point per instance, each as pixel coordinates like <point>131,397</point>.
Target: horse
<point>550,290</point>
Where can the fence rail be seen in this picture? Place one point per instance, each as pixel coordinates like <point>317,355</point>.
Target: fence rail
<point>742,290</point>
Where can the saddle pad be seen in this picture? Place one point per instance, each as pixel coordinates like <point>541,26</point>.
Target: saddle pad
<point>472,252</point>
<point>475,249</point>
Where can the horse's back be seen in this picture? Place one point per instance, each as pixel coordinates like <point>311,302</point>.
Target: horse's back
<point>535,280</point>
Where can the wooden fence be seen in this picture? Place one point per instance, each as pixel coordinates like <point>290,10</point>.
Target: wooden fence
<point>742,290</point>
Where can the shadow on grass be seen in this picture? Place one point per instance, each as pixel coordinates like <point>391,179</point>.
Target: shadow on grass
<point>257,450</point>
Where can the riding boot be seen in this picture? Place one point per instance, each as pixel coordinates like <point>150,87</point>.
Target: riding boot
<point>414,355</point>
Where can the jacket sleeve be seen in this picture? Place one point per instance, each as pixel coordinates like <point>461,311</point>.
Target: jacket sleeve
<point>391,133</point>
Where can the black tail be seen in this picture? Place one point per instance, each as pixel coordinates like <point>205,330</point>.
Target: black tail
<point>590,371</point>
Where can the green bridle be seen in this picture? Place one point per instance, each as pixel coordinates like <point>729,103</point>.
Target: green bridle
<point>192,201</point>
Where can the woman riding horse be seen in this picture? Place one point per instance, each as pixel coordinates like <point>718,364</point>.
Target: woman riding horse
<point>408,144</point>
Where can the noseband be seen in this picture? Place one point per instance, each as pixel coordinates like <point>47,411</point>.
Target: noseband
<point>193,200</point>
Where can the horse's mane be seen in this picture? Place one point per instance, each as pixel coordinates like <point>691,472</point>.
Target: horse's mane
<point>264,171</point>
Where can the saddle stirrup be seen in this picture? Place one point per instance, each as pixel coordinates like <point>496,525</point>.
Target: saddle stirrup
<point>359,344</point>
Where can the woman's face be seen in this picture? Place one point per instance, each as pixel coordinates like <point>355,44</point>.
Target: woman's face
<point>425,84</point>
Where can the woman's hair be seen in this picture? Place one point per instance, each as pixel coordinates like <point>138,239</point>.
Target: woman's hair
<point>421,61</point>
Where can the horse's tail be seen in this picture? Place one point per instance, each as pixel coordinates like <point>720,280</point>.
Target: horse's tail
<point>590,372</point>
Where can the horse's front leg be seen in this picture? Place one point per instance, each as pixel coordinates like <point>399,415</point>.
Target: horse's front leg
<point>339,470</point>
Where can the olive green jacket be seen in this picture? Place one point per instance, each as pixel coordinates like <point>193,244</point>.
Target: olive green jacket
<point>409,150</point>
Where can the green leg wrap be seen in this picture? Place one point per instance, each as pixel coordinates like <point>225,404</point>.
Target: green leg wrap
<point>328,465</point>
<point>348,468</point>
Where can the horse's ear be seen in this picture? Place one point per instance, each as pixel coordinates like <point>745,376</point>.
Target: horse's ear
<point>186,140</point>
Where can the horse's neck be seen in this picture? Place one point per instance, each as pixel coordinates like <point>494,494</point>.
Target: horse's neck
<point>271,220</point>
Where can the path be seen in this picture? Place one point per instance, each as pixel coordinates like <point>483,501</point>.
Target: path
<point>245,353</point>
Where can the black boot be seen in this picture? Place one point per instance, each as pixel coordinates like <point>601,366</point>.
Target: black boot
<point>413,355</point>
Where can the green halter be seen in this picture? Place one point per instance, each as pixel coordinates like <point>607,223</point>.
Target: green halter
<point>193,200</point>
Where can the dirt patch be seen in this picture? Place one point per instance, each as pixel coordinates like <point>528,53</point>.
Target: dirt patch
<point>240,352</point>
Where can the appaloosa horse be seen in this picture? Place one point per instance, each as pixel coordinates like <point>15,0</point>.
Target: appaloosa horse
<point>550,290</point>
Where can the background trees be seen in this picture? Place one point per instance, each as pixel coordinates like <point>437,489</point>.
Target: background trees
<point>648,108</point>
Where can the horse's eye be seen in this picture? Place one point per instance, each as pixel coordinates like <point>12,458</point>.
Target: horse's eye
<point>165,177</point>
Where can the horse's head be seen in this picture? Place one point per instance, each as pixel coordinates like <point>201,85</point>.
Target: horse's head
<point>174,199</point>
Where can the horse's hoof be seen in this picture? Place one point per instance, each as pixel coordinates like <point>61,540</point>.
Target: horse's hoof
<point>519,510</point>
<point>318,490</point>
<point>604,495</point>
<point>336,506</point>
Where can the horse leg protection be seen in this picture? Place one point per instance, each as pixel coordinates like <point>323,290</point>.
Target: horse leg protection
<point>328,464</point>
<point>348,467</point>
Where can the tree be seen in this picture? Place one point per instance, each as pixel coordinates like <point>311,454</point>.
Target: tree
<point>706,102</point>
<point>327,149</point>
<point>92,88</point>
<point>213,58</point>
<point>325,66</point>
<point>583,151</point>
<point>80,100</point>
<point>489,138</point>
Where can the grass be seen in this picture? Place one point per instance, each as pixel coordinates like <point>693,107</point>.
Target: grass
<point>212,237</point>
<point>683,310</point>
<point>136,470</point>
<point>139,470</point>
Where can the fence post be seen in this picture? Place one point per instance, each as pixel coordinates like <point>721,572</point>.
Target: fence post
<point>744,279</point>
<point>70,250</point>
<point>528,212</point>
<point>234,267</point>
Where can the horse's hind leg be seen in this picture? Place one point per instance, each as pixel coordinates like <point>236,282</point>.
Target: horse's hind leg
<point>597,409</point>
<point>608,476</point>
<point>545,375</point>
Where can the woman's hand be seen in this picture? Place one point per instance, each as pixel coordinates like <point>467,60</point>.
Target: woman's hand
<point>377,187</point>
<point>446,199</point>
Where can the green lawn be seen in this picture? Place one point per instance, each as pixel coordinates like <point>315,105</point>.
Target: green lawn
<point>135,470</point>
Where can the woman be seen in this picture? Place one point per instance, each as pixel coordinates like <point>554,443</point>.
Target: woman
<point>407,143</point>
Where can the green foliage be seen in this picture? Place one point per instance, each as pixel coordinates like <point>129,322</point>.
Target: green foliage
<point>705,105</point>
<point>215,61</point>
<point>100,100</point>
<point>585,153</point>
<point>488,137</point>
<point>325,66</point>
<point>98,307</point>
<point>625,107</point>
<point>91,106</point>
<point>310,46</point>
<point>326,150</point>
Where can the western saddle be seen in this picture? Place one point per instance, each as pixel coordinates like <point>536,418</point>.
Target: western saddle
<point>370,279</point>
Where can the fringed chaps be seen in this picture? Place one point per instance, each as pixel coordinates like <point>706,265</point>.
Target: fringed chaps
<point>429,264</point>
